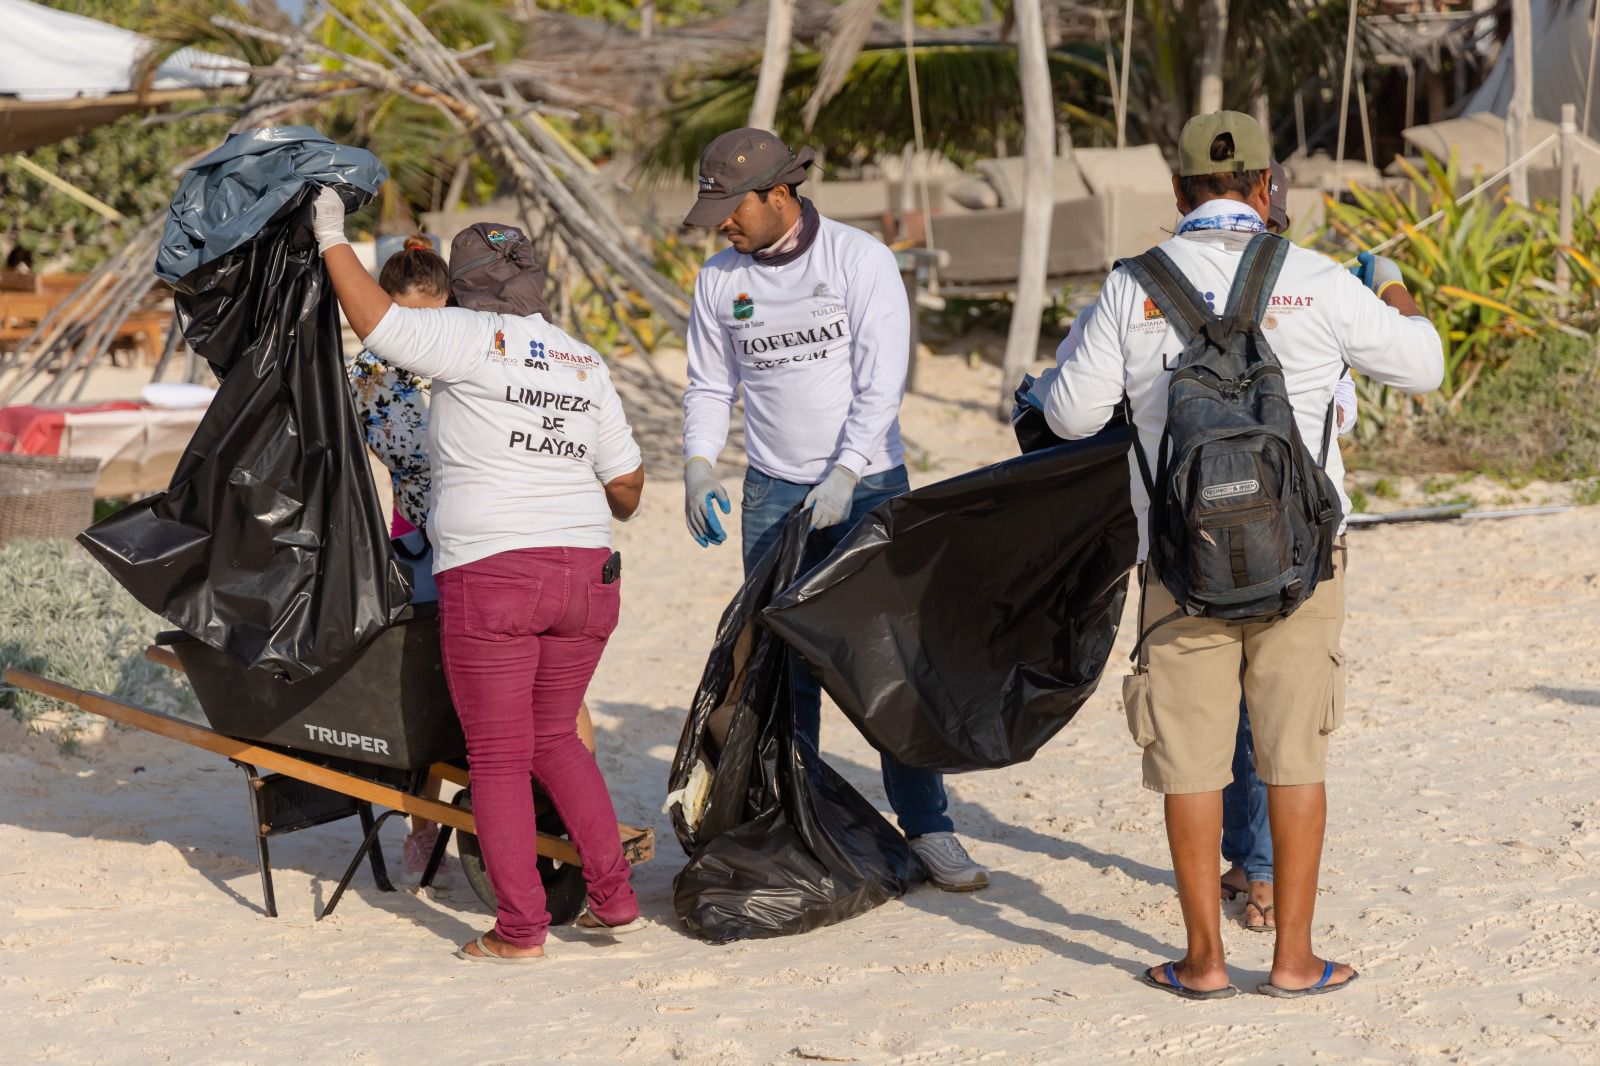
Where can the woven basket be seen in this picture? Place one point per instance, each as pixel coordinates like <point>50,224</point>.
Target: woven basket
<point>45,496</point>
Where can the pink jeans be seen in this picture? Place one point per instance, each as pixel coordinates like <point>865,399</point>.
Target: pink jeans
<point>521,634</point>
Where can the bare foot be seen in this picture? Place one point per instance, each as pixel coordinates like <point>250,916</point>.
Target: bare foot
<point>1194,976</point>
<point>1234,883</point>
<point>1258,908</point>
<point>1304,975</point>
<point>502,948</point>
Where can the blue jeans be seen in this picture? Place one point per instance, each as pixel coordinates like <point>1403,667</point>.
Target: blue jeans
<point>917,796</point>
<point>1246,833</point>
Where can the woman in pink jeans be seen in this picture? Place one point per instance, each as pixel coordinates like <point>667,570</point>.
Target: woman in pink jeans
<point>531,458</point>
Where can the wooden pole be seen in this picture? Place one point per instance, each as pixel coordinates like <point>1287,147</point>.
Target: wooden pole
<point>774,62</point>
<point>1588,80</point>
<point>908,31</point>
<point>1366,123</point>
<point>1300,123</point>
<point>1520,114</point>
<point>1344,96</point>
<point>1038,150</point>
<point>67,189</point>
<point>1127,62</point>
<point>1569,168</point>
<point>1214,25</point>
<point>173,728</point>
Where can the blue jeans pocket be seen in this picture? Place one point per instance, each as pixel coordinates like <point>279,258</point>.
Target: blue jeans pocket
<point>756,490</point>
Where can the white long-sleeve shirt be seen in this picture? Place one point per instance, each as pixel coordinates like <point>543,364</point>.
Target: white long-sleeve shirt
<point>524,429</point>
<point>820,347</point>
<point>1320,320</point>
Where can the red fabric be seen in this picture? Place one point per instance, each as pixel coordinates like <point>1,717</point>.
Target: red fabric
<point>398,526</point>
<point>37,430</point>
<point>521,633</point>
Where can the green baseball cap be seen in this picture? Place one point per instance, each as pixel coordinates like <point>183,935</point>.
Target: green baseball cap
<point>1245,147</point>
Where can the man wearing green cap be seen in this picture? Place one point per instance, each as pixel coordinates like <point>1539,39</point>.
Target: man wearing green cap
<point>808,318</point>
<point>1184,697</point>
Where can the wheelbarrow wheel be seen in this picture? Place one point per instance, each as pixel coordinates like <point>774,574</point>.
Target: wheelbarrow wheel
<point>565,890</point>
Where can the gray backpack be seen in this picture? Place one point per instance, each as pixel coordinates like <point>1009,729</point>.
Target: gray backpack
<point>493,268</point>
<point>1242,518</point>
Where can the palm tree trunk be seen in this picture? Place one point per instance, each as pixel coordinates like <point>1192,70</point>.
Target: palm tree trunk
<point>1038,151</point>
<point>774,61</point>
<point>1214,24</point>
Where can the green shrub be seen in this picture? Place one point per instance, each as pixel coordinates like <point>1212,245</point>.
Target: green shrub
<point>64,617</point>
<point>1482,273</point>
<point>1537,417</point>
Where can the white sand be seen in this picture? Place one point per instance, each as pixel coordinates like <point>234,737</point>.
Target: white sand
<point>1462,872</point>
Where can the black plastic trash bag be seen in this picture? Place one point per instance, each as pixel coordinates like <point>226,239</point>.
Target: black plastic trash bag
<point>778,843</point>
<point>1028,422</point>
<point>962,625</point>
<point>270,543</point>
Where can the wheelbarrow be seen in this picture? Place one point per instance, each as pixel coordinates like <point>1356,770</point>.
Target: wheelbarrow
<point>378,731</point>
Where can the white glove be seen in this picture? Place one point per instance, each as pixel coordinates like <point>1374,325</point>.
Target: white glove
<point>327,221</point>
<point>829,503</point>
<point>1344,405</point>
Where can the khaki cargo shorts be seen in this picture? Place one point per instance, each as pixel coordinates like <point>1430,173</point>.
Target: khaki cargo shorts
<point>1183,697</point>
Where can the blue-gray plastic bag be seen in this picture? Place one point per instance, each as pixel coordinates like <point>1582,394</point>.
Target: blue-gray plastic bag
<point>270,543</point>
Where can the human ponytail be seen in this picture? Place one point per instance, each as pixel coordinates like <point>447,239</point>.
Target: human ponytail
<point>415,268</point>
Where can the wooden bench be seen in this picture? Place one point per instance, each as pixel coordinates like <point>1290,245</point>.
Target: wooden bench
<point>21,312</point>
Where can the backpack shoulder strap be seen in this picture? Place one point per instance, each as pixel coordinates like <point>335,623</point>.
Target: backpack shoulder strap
<point>1165,284</point>
<point>1256,277</point>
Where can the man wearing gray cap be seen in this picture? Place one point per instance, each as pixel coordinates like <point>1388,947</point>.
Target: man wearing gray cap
<point>809,318</point>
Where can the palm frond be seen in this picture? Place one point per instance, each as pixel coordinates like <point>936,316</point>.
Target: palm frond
<point>969,95</point>
<point>847,33</point>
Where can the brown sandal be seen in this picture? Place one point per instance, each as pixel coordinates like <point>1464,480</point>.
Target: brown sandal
<point>1263,911</point>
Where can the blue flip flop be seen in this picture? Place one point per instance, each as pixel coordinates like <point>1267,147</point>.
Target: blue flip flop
<point>1176,986</point>
<point>1321,988</point>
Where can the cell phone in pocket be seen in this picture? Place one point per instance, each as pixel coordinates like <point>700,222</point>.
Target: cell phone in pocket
<point>610,572</point>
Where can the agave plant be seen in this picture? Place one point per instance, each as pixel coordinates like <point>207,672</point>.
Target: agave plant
<point>1482,272</point>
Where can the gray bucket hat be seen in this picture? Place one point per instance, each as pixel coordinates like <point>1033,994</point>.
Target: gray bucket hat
<point>738,162</point>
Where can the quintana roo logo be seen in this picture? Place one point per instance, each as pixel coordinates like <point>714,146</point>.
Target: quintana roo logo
<point>743,306</point>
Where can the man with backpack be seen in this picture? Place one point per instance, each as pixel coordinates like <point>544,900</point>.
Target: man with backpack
<point>1226,343</point>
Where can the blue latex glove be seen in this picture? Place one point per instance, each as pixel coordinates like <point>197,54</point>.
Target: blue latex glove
<point>829,503</point>
<point>700,487</point>
<point>1377,272</point>
<point>1035,396</point>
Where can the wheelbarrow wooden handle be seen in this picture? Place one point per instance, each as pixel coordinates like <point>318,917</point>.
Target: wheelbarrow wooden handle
<point>173,728</point>
<point>638,844</point>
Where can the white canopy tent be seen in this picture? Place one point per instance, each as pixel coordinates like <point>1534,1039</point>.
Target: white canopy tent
<point>1562,44</point>
<point>61,74</point>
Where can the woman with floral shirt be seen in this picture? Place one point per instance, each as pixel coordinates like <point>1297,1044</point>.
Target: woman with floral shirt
<point>392,403</point>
